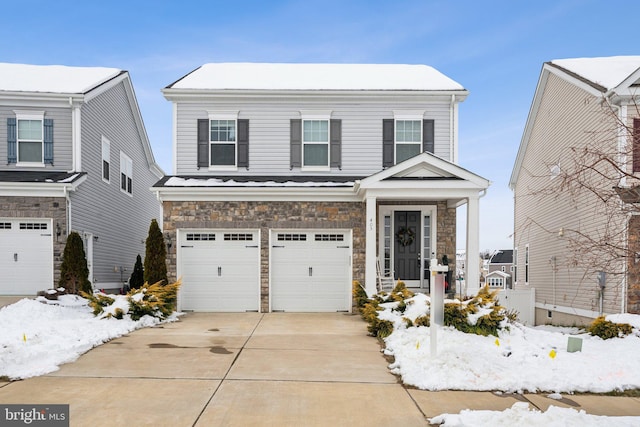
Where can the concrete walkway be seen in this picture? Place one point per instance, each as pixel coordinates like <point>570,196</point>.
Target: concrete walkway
<point>251,369</point>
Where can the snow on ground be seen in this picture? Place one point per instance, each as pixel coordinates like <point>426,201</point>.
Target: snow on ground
<point>36,337</point>
<point>521,415</point>
<point>522,359</point>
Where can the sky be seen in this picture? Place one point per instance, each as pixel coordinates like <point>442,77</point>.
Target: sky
<point>495,49</point>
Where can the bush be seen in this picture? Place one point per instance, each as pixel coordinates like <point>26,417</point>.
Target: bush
<point>137,276</point>
<point>458,314</point>
<point>156,300</point>
<point>155,258</point>
<point>360,297</point>
<point>605,329</point>
<point>74,273</point>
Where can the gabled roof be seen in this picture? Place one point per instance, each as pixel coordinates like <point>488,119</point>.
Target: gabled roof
<point>53,78</point>
<point>499,273</point>
<point>613,78</point>
<point>270,76</point>
<point>426,167</point>
<point>504,256</point>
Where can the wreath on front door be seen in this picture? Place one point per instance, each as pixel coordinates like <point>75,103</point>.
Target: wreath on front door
<point>405,236</point>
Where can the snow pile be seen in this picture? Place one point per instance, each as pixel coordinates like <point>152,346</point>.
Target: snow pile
<point>520,359</point>
<point>520,415</point>
<point>37,337</point>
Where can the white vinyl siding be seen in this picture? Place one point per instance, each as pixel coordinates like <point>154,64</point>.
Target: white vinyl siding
<point>566,117</point>
<point>269,151</point>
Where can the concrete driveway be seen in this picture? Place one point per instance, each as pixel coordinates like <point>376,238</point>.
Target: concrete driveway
<point>236,369</point>
<point>251,369</point>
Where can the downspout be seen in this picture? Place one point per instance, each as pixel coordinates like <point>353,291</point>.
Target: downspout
<point>452,149</point>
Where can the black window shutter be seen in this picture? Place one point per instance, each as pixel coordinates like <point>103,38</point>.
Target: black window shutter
<point>387,143</point>
<point>428,143</point>
<point>336,144</point>
<point>203,143</point>
<point>296,143</point>
<point>243,143</point>
<point>48,141</point>
<point>12,152</point>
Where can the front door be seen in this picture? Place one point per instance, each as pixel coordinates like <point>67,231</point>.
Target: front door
<point>406,250</point>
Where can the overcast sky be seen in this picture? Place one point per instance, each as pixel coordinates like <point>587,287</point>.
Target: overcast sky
<point>495,49</point>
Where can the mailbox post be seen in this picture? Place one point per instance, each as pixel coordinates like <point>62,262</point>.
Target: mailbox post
<point>436,315</point>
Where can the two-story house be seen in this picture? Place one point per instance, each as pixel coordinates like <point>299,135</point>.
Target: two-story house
<point>575,237</point>
<point>499,269</point>
<point>75,157</point>
<point>292,180</point>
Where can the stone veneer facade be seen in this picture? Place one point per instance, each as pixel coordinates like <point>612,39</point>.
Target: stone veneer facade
<point>41,207</point>
<point>633,277</point>
<point>266,216</point>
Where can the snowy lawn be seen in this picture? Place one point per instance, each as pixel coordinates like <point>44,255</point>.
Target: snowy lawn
<point>521,359</point>
<point>36,337</point>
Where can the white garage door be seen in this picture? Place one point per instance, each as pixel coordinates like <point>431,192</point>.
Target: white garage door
<point>311,270</point>
<point>26,256</point>
<point>220,270</point>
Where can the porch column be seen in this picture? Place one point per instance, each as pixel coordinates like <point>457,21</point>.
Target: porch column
<point>371,226</point>
<point>472,275</point>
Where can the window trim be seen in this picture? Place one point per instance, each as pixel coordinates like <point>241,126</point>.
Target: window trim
<point>527,256</point>
<point>29,115</point>
<point>219,116</point>
<point>126,161</point>
<point>106,143</point>
<point>407,116</point>
<point>308,116</point>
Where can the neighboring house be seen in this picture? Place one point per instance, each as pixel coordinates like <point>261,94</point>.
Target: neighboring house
<point>75,157</point>
<point>570,225</point>
<point>501,261</point>
<point>293,180</point>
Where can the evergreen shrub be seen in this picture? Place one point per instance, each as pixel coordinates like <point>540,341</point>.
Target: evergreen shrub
<point>137,275</point>
<point>606,329</point>
<point>155,258</point>
<point>74,273</point>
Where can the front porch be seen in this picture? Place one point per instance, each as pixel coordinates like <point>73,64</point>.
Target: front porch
<point>411,218</point>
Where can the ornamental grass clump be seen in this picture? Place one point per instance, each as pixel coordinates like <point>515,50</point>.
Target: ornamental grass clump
<point>606,329</point>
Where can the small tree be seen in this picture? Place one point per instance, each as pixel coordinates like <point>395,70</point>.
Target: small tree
<point>155,258</point>
<point>137,276</point>
<point>74,273</point>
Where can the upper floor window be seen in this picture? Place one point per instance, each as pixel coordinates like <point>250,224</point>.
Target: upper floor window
<point>29,139</point>
<point>222,149</point>
<point>406,136</point>
<point>106,159</point>
<point>315,143</point>
<point>408,139</point>
<point>126,173</point>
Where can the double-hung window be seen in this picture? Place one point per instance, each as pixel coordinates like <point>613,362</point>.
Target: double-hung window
<point>315,143</point>
<point>223,142</point>
<point>126,174</point>
<point>408,139</point>
<point>106,159</point>
<point>30,138</point>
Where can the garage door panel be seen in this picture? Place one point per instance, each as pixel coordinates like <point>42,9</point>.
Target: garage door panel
<point>310,270</point>
<point>26,255</point>
<point>220,271</point>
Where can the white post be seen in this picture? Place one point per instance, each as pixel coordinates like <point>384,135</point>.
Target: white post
<point>436,308</point>
<point>472,274</point>
<point>370,252</point>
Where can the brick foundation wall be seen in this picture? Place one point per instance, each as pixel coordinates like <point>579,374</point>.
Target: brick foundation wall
<point>265,216</point>
<point>41,207</point>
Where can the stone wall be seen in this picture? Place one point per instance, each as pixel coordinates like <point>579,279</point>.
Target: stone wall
<point>41,207</point>
<point>266,216</point>
<point>633,277</point>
